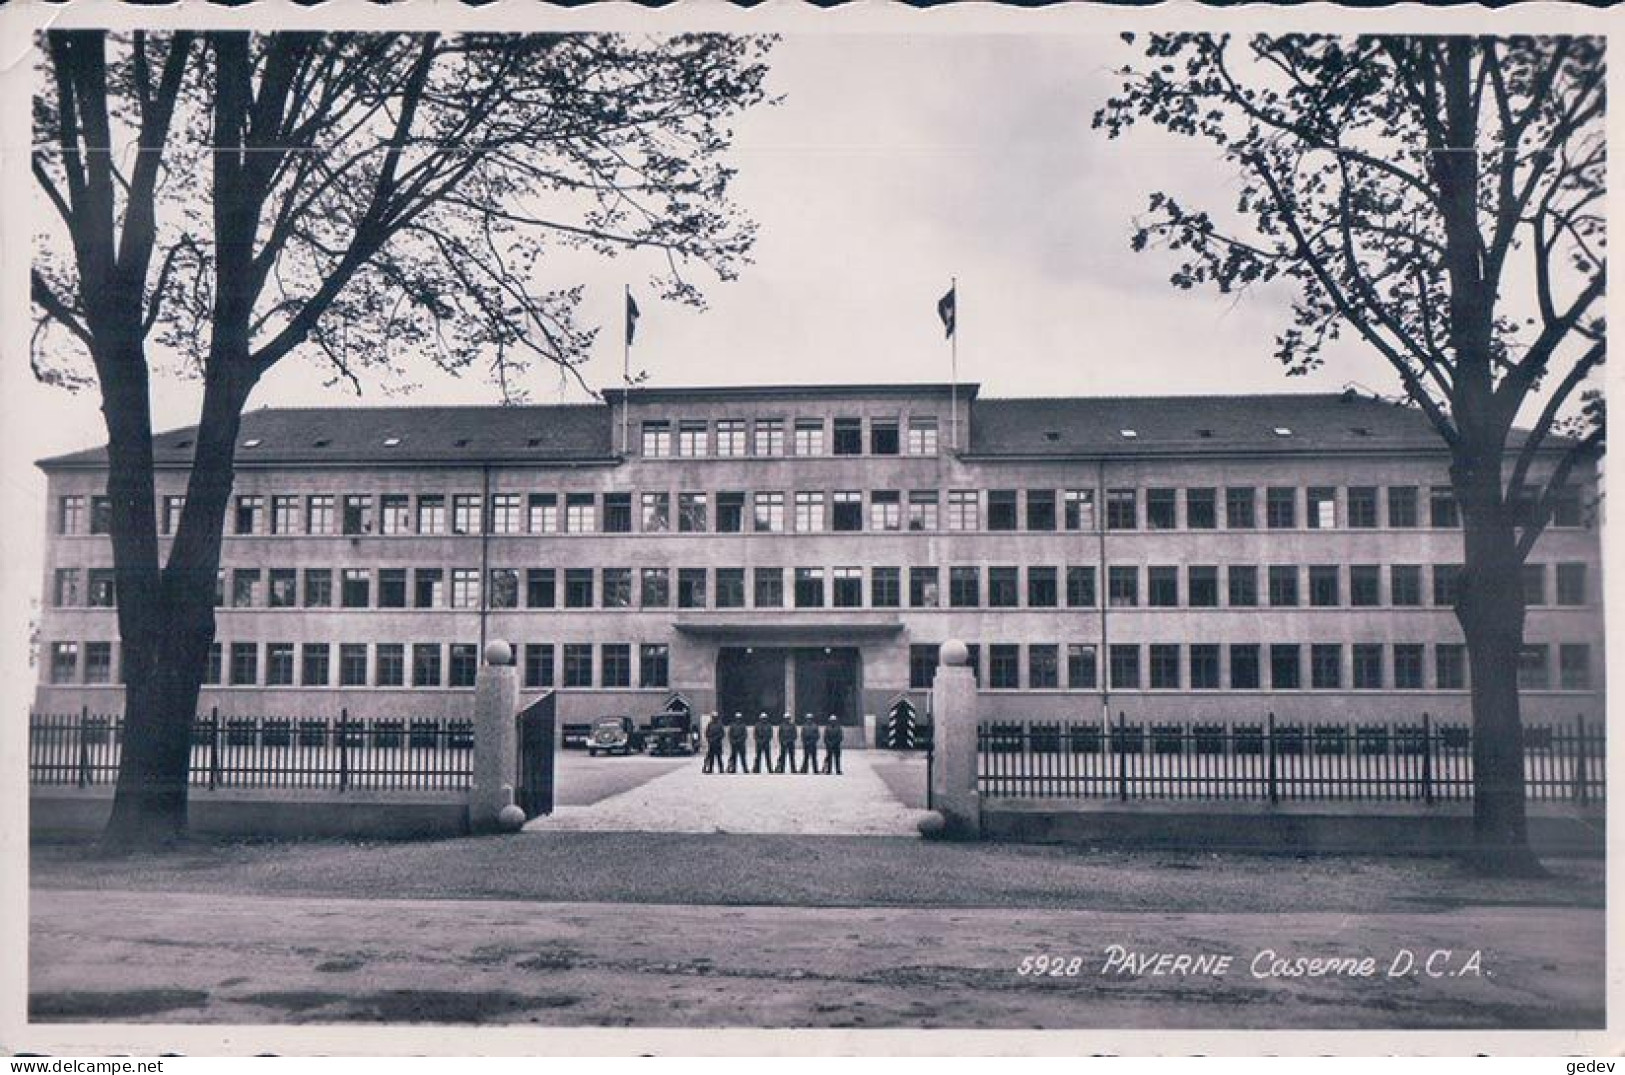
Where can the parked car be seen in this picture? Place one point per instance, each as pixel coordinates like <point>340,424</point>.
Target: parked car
<point>674,733</point>
<point>612,735</point>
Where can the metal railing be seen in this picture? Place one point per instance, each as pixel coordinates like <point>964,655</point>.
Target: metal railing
<point>419,754</point>
<point>1265,761</point>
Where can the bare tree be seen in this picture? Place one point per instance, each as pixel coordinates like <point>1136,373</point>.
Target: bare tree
<point>1441,198</point>
<point>234,199</point>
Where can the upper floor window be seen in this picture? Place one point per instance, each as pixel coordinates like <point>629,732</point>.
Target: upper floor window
<point>1159,509</point>
<point>1240,508</point>
<point>809,587</point>
<point>1566,508</point>
<point>101,515</point>
<point>847,510</point>
<point>1001,509</point>
<point>465,514</point>
<point>883,437</point>
<point>250,514</point>
<point>922,436</point>
<point>284,514</point>
<point>1122,509</point>
<point>580,514</point>
<point>769,436</point>
<point>656,440</point>
<point>394,513</point>
<point>1201,509</point>
<point>809,436</point>
<point>505,515</point>
<point>922,509</point>
<point>885,510</point>
<point>1079,509</point>
<point>848,436</point>
<point>1402,506</point>
<point>174,506</point>
<point>730,513</point>
<point>656,517</point>
<point>1362,507</point>
<point>769,514</point>
<point>70,514</point>
<point>432,514</point>
<point>543,509</point>
<point>1281,508</point>
<point>809,512</point>
<point>691,438</point>
<point>964,509</point>
<point>358,514</point>
<point>1442,510</point>
<point>730,436</point>
<point>692,517</point>
<point>1040,509</point>
<point>1322,507</point>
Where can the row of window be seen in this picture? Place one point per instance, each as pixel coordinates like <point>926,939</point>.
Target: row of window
<point>693,438</point>
<point>1127,586</point>
<point>1211,666</point>
<point>813,511</point>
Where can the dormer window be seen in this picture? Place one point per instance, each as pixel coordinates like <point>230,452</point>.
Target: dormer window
<point>323,443</point>
<point>392,442</point>
<point>1282,431</point>
<point>252,442</point>
<point>1128,434</point>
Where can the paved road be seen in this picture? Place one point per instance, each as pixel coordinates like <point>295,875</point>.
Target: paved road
<point>98,955</point>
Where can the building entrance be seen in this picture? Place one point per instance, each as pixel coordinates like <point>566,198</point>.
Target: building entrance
<point>821,681</point>
<point>751,681</point>
<point>827,681</point>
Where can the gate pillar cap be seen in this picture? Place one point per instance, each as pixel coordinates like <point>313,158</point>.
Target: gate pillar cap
<point>498,651</point>
<point>954,653</point>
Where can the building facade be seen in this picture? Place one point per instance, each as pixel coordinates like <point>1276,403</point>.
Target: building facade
<point>809,548</point>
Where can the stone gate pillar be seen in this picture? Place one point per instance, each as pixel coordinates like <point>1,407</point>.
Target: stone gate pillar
<point>953,730</point>
<point>496,764</point>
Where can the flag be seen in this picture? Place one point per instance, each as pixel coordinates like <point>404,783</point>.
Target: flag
<point>946,309</point>
<point>631,318</point>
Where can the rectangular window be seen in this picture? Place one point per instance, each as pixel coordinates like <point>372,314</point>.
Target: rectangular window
<point>1534,668</point>
<point>101,515</point>
<point>1160,510</point>
<point>577,664</point>
<point>426,671</point>
<point>504,583</point>
<point>1003,666</point>
<point>1402,506</point>
<point>1202,587</point>
<point>1201,509</point>
<point>809,513</point>
<point>1080,587</point>
<point>848,438</point>
<point>1571,584</point>
<point>846,587</point>
<point>656,587</point>
<point>465,587</point>
<point>1043,667</point>
<point>885,587</point>
<point>357,514</point>
<point>1442,510</point>
<point>465,664</point>
<point>394,513</point>
<point>429,585</point>
<point>654,659</point>
<point>1078,509</point>
<point>99,662</point>
<point>1244,667</point>
<point>65,590</point>
<point>1204,666</point>
<point>964,587</point>
<point>1080,667</point>
<point>318,587</point>
<point>1162,587</point>
<point>245,664</point>
<point>391,587</point>
<point>730,436</point>
<point>102,590</point>
<point>1122,509</point>
<point>730,587</point>
<point>1363,507</point>
<point>883,437</point>
<point>1043,587</point>
<point>1573,666</point>
<point>1407,666</point>
<point>1124,661</point>
<point>1281,508</point>
<point>250,515</point>
<point>1446,584</point>
<point>245,587</point>
<point>769,587</point>
<point>691,587</point>
<point>1405,585</point>
<point>1323,586</point>
<point>543,512</point>
<point>1123,586</point>
<point>1243,586</point>
<point>315,664</point>
<point>1368,666</point>
<point>1326,666</point>
<point>70,516</point>
<point>352,664</point>
<point>656,513</point>
<point>175,506</point>
<point>355,588</point>
<point>922,510</point>
<point>465,514</point>
<point>1040,509</point>
<point>1283,586</point>
<point>1164,666</point>
<point>1322,502</point>
<point>693,516</point>
<point>506,514</point>
<point>769,436</point>
<point>847,510</point>
<point>964,509</point>
<point>656,440</point>
<point>1450,666</point>
<point>923,583</point>
<point>284,514</point>
<point>1566,510</point>
<point>432,514</point>
<point>809,434</point>
<point>809,587</point>
<point>538,664</point>
<point>580,513</point>
<point>1001,509</point>
<point>1285,670</point>
<point>922,436</point>
<point>617,664</point>
<point>1003,587</point>
<point>730,513</point>
<point>283,591</point>
<point>1240,509</point>
<point>578,585</point>
<point>922,666</point>
<point>769,513</point>
<point>1534,584</point>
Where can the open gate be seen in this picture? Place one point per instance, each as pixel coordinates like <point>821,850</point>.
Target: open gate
<point>537,736</point>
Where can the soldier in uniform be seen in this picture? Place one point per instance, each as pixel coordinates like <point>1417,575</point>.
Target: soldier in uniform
<point>833,734</point>
<point>762,737</point>
<point>809,744</point>
<point>713,744</point>
<point>736,744</point>
<point>787,744</point>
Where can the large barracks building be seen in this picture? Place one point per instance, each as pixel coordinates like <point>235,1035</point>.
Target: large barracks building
<point>765,548</point>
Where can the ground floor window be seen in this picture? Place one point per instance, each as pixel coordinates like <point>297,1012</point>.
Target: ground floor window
<point>922,666</point>
<point>654,664</point>
<point>577,664</point>
<point>465,663</point>
<point>539,664</point>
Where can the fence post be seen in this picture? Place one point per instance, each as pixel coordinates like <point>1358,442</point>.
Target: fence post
<point>1122,756</point>
<point>84,747</point>
<point>214,747</point>
<point>344,748</point>
<point>1427,760</point>
<point>1581,749</point>
<point>1269,742</point>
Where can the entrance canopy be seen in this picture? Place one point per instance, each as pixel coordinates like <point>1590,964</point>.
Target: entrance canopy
<point>790,630</point>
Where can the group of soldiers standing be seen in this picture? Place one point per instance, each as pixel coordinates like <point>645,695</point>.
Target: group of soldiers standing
<point>738,733</point>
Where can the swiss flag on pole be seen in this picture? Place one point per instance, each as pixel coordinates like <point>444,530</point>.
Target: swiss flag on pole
<point>631,317</point>
<point>946,309</point>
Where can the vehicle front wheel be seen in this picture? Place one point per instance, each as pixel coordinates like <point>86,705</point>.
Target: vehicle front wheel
<point>592,752</point>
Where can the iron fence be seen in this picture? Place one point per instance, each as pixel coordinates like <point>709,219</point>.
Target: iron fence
<point>419,754</point>
<point>1263,761</point>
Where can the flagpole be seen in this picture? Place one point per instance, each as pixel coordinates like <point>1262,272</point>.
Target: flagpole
<point>953,360</point>
<point>626,372</point>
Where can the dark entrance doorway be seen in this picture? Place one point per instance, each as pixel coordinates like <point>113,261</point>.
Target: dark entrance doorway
<point>827,681</point>
<point>750,681</point>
